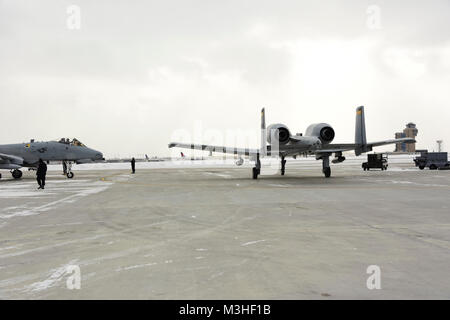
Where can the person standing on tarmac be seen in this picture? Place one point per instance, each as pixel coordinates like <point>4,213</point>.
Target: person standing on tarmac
<point>41,172</point>
<point>133,162</point>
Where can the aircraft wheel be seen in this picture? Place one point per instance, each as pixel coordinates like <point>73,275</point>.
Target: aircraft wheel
<point>70,175</point>
<point>327,172</point>
<point>421,167</point>
<point>17,174</point>
<point>0,175</point>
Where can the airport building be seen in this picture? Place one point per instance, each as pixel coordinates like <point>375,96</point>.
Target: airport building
<point>409,132</point>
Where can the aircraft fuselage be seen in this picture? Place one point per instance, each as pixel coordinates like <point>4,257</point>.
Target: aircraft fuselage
<point>49,151</point>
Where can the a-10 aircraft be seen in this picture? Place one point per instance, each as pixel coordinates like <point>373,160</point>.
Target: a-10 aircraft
<point>316,141</point>
<point>15,156</point>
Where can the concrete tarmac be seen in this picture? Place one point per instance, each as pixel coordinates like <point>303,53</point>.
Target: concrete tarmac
<point>214,233</point>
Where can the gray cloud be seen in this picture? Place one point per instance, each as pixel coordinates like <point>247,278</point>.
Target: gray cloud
<point>136,72</point>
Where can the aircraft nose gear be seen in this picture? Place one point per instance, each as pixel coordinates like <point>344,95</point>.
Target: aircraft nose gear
<point>326,166</point>
<point>257,169</point>
<point>17,174</point>
<point>67,169</point>
<point>283,166</point>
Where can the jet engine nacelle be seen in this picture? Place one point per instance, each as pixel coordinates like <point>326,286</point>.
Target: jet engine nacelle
<point>279,132</point>
<point>323,131</point>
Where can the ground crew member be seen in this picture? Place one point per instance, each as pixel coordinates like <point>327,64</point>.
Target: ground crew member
<point>133,162</point>
<point>41,172</point>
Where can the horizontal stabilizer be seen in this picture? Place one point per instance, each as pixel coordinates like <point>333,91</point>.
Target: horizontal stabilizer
<point>392,141</point>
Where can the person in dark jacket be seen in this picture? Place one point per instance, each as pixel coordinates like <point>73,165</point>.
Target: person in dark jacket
<point>133,162</point>
<point>41,172</point>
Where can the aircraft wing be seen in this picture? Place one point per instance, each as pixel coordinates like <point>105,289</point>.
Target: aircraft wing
<point>285,149</point>
<point>291,149</point>
<point>341,147</point>
<point>230,150</point>
<point>330,148</point>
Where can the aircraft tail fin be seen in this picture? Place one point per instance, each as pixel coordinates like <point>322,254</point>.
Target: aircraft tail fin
<point>263,150</point>
<point>360,131</point>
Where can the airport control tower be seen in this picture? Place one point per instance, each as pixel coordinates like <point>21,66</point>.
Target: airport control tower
<point>409,132</point>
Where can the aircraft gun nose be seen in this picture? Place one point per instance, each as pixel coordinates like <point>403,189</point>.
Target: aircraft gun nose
<point>97,155</point>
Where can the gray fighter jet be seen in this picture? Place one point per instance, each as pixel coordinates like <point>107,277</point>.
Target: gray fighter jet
<point>15,156</point>
<point>316,141</point>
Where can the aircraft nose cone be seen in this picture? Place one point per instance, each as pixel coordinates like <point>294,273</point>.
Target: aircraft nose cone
<point>97,155</point>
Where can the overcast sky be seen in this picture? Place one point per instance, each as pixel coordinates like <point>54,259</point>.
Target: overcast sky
<point>137,74</point>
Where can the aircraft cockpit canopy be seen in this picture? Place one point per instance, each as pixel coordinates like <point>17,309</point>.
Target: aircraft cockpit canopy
<point>73,142</point>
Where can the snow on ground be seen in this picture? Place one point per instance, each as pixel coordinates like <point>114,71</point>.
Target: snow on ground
<point>57,192</point>
<point>68,191</point>
<point>220,163</point>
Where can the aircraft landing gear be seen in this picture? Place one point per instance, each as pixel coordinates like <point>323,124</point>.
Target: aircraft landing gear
<point>67,169</point>
<point>326,166</point>
<point>16,173</point>
<point>283,166</point>
<point>257,168</point>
